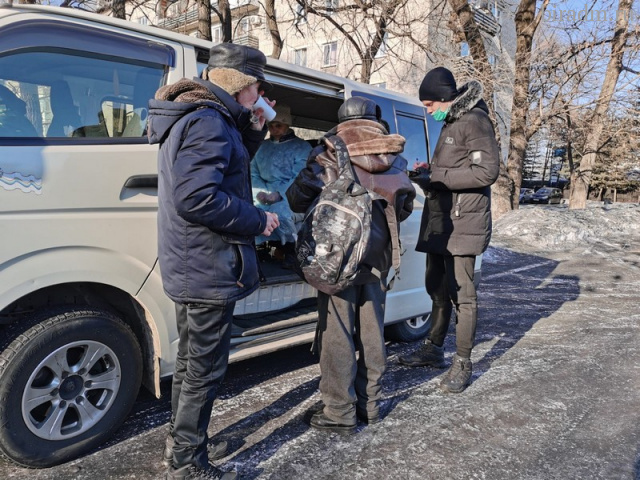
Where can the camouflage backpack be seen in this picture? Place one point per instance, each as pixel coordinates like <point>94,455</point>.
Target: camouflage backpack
<point>334,237</point>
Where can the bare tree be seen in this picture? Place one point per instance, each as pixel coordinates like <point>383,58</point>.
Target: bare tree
<point>118,9</point>
<point>223,11</point>
<point>274,31</point>
<point>204,19</point>
<point>581,178</point>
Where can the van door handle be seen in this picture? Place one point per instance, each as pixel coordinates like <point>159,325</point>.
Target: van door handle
<point>142,181</point>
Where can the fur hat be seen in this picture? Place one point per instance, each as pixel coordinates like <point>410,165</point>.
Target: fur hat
<point>283,114</point>
<point>438,85</point>
<point>234,67</point>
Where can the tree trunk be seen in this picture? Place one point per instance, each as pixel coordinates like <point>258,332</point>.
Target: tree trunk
<point>272,23</point>
<point>224,15</point>
<point>525,28</point>
<point>580,185</point>
<point>204,19</point>
<point>118,10</point>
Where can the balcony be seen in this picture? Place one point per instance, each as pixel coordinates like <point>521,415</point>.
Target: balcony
<point>463,68</point>
<point>485,20</point>
<point>190,17</point>
<point>247,40</point>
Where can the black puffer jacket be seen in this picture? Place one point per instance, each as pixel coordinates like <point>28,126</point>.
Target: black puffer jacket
<point>466,162</point>
<point>378,167</point>
<point>206,218</point>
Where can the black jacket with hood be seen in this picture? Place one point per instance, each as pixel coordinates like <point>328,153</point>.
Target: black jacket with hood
<point>456,219</point>
<point>206,218</point>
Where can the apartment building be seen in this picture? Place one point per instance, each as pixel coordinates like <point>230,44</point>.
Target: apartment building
<point>328,37</point>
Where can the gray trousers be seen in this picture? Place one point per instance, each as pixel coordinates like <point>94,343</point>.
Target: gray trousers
<point>449,279</point>
<point>347,381</point>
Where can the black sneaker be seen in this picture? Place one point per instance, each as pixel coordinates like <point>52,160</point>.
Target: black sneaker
<point>427,354</point>
<point>322,422</point>
<point>458,377</point>
<point>215,451</point>
<point>191,472</point>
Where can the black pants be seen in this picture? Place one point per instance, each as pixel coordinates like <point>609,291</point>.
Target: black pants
<point>203,354</point>
<point>450,279</point>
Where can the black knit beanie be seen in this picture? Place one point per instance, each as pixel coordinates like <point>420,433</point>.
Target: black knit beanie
<point>438,85</point>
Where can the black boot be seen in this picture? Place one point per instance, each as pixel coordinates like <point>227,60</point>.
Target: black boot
<point>426,354</point>
<point>215,451</point>
<point>458,378</point>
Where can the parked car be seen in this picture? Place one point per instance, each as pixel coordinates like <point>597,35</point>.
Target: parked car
<point>547,195</point>
<point>525,195</point>
<point>84,319</point>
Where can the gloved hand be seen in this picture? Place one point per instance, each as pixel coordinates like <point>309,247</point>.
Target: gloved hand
<point>268,198</point>
<point>422,177</point>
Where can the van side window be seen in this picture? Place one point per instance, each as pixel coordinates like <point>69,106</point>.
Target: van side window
<point>64,93</point>
<point>413,129</point>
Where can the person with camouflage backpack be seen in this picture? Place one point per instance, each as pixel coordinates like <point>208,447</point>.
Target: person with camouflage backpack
<point>351,388</point>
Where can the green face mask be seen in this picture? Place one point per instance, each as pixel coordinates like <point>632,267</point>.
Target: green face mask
<point>439,115</point>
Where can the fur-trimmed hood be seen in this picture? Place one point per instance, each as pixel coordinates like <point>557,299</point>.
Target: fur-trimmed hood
<point>369,145</point>
<point>186,91</point>
<point>470,97</point>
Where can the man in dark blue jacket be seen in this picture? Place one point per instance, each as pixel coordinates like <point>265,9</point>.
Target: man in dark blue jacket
<point>206,227</point>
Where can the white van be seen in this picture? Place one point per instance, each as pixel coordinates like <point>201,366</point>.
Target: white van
<point>84,320</point>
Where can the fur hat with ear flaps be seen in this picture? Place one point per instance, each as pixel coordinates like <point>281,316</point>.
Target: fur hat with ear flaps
<point>233,67</point>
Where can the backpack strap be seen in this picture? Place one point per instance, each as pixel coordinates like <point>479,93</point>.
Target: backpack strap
<point>345,167</point>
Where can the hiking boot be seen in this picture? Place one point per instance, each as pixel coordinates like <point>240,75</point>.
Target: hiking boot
<point>458,377</point>
<point>215,451</point>
<point>322,422</point>
<point>192,472</point>
<point>427,354</point>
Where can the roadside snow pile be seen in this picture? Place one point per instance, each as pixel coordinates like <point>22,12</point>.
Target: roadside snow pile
<point>558,228</point>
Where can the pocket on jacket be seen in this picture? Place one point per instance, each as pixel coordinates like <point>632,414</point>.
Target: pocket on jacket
<point>246,270</point>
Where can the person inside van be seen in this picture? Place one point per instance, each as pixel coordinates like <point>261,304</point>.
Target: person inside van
<point>206,228</point>
<point>273,169</point>
<point>352,320</point>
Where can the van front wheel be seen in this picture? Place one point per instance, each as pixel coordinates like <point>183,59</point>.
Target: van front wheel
<point>67,382</point>
<point>409,330</point>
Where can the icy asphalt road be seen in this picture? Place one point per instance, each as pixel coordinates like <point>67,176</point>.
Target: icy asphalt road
<point>555,393</point>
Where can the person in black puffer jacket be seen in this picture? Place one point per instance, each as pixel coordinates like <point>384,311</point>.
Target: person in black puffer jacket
<point>456,221</point>
<point>206,228</point>
<point>353,319</point>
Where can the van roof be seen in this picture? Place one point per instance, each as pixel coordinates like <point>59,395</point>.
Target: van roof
<point>275,67</point>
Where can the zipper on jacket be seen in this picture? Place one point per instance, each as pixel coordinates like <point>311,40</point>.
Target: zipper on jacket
<point>457,210</point>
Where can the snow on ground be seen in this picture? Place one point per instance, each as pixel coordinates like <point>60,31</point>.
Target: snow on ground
<point>555,228</point>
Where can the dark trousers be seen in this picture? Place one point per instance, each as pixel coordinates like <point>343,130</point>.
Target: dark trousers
<point>203,354</point>
<point>344,380</point>
<point>450,279</point>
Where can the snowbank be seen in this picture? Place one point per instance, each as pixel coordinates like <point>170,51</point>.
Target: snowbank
<point>558,228</point>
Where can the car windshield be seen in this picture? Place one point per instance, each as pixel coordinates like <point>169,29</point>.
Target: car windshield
<point>544,191</point>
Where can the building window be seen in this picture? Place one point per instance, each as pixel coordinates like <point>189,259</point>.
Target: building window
<point>464,49</point>
<point>216,34</point>
<point>300,57</point>
<point>331,6</point>
<point>301,15</point>
<point>143,21</point>
<point>244,26</point>
<point>329,54</point>
<point>382,51</point>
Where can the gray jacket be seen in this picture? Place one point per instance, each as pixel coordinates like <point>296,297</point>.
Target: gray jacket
<point>466,162</point>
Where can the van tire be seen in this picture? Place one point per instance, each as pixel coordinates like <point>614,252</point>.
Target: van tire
<point>409,330</point>
<point>87,416</point>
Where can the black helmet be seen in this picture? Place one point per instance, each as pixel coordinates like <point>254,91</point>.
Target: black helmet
<point>359,107</point>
